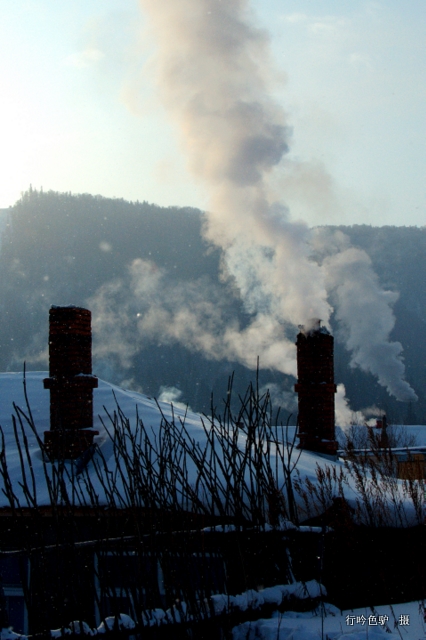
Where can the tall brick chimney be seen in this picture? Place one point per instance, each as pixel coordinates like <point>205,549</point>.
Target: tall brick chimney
<point>315,387</point>
<point>70,382</point>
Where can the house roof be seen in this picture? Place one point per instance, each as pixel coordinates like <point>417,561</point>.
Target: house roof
<point>24,464</point>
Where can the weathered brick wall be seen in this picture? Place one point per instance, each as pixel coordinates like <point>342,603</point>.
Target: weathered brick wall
<point>70,341</point>
<point>70,382</point>
<point>316,389</point>
<point>315,358</point>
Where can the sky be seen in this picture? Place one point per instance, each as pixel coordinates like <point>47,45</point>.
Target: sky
<point>80,112</point>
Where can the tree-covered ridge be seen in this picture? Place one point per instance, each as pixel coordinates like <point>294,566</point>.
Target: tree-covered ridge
<point>104,233</point>
<point>60,248</point>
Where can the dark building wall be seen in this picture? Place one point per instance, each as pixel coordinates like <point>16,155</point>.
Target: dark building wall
<point>95,568</point>
<point>362,566</point>
<point>357,565</point>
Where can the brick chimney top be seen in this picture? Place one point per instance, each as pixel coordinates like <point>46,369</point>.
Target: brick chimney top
<point>70,382</point>
<point>313,326</point>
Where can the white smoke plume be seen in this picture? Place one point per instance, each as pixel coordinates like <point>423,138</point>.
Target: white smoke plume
<point>211,70</point>
<point>363,310</point>
<point>346,417</point>
<point>214,77</point>
<point>343,413</point>
<point>146,306</point>
<point>280,397</point>
<point>172,395</point>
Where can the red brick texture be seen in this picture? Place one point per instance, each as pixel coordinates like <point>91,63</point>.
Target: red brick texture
<point>315,388</point>
<point>70,382</point>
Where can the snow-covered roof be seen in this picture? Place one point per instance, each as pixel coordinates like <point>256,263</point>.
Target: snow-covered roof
<point>107,397</point>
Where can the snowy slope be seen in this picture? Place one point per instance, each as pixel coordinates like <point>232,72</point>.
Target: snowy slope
<point>11,390</point>
<point>105,399</point>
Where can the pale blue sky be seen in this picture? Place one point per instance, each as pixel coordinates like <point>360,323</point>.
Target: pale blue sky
<point>78,113</point>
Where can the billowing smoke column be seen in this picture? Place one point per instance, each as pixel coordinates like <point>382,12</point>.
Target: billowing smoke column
<point>366,319</point>
<point>212,71</point>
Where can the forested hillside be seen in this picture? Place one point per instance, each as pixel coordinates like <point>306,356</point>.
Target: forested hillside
<point>84,250</point>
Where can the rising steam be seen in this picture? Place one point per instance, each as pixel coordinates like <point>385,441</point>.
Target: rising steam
<point>144,306</point>
<point>212,71</point>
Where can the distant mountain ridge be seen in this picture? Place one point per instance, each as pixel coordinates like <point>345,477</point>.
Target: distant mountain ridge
<point>61,248</point>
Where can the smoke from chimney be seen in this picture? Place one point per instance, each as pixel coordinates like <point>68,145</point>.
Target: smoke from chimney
<point>214,76</point>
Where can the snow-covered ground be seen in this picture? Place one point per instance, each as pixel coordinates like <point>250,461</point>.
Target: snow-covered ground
<point>403,621</point>
<point>386,622</point>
